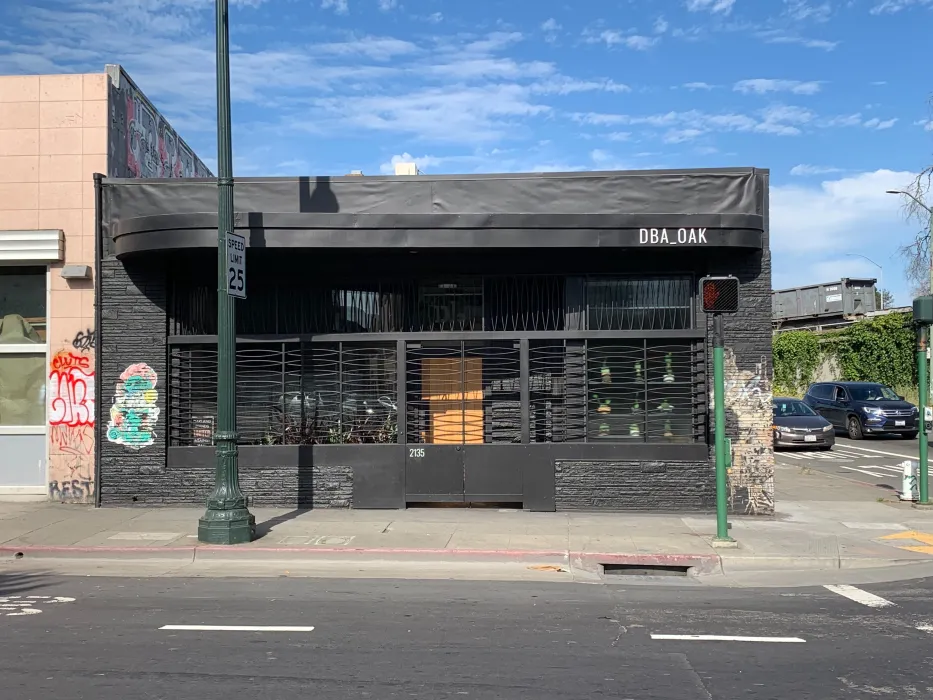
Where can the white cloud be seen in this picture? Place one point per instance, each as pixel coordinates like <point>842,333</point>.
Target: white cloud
<point>857,120</point>
<point>762,86</point>
<point>698,86</point>
<point>387,5</point>
<point>714,6</point>
<point>801,10</point>
<point>927,124</point>
<point>837,214</point>
<point>612,37</point>
<point>780,36</point>
<point>879,124</point>
<point>892,6</point>
<point>423,163</point>
<point>550,25</point>
<point>661,25</point>
<point>339,6</point>
<point>804,169</point>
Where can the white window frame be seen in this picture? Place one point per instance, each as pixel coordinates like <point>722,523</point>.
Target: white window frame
<point>29,492</point>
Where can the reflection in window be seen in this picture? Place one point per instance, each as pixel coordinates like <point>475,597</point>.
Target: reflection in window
<point>638,304</point>
<point>22,305</point>
<point>22,389</point>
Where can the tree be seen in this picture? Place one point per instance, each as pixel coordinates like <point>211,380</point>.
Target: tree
<point>916,254</point>
<point>886,296</point>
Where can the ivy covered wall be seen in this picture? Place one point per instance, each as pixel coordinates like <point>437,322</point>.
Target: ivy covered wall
<point>876,350</point>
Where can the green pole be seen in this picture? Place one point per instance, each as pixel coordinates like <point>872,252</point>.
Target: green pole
<point>719,403</point>
<point>227,520</point>
<point>922,344</point>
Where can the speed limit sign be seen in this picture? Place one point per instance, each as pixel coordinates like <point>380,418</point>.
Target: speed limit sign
<point>236,265</point>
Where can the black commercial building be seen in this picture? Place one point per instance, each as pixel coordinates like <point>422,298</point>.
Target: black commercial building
<point>531,340</point>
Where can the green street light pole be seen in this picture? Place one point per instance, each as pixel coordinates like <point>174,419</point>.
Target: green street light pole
<point>922,313</point>
<point>923,335</point>
<point>227,520</point>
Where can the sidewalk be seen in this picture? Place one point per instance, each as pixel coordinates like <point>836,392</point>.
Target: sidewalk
<point>822,523</point>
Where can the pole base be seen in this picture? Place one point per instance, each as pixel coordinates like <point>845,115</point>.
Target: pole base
<point>922,506</point>
<point>724,543</point>
<point>236,526</point>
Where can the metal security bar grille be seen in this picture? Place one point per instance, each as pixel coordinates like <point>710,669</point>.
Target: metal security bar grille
<point>460,393</point>
<point>645,391</point>
<point>639,304</point>
<point>557,390</point>
<point>535,303</point>
<point>288,393</point>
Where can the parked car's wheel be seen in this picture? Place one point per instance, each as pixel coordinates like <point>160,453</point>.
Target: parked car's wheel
<point>824,448</point>
<point>855,428</point>
<point>910,436</point>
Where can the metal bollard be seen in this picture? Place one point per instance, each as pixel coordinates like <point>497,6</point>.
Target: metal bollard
<point>908,490</point>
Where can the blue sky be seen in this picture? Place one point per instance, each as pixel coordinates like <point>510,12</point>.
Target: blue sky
<point>832,97</point>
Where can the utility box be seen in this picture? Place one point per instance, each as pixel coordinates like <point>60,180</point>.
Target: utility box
<point>923,310</point>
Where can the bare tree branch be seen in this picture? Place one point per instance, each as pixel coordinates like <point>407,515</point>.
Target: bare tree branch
<point>916,254</point>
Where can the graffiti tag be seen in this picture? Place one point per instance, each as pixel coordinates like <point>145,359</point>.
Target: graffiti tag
<point>84,340</point>
<point>71,391</point>
<point>134,413</point>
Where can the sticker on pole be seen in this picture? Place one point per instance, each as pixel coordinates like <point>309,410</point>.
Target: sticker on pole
<point>236,265</point>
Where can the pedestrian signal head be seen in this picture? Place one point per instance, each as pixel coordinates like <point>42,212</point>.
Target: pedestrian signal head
<point>720,295</point>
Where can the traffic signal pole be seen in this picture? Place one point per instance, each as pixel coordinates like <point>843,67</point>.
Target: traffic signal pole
<point>719,405</point>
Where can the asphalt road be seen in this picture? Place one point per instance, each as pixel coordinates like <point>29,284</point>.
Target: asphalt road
<point>102,638</point>
<point>874,461</point>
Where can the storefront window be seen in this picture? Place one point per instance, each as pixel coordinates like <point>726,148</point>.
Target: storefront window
<point>615,304</point>
<point>22,389</point>
<point>640,391</point>
<point>22,305</point>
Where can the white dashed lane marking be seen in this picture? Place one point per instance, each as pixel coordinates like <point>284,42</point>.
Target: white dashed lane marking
<point>726,638</point>
<point>233,628</point>
<point>860,596</point>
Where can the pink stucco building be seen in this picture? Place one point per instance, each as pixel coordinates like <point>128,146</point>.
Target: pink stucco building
<point>56,132</point>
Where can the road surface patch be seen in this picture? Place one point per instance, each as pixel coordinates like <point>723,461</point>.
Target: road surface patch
<point>874,526</point>
<point>726,638</point>
<point>860,596</point>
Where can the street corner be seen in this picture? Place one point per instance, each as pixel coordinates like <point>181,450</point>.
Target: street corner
<point>910,540</point>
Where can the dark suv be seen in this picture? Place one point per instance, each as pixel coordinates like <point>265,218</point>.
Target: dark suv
<point>861,408</point>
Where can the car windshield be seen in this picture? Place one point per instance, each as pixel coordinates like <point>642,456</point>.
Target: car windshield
<point>792,408</point>
<point>873,392</point>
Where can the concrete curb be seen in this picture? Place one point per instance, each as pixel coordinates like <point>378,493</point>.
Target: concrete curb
<point>699,564</point>
<point>590,562</point>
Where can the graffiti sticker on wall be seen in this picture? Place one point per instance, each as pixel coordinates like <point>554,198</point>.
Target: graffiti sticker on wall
<point>134,412</point>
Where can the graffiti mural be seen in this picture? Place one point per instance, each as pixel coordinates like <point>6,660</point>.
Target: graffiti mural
<point>71,391</point>
<point>134,413</point>
<point>748,423</point>
<point>71,415</point>
<point>142,142</point>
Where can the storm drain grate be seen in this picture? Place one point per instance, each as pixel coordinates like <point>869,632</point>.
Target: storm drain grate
<point>644,570</point>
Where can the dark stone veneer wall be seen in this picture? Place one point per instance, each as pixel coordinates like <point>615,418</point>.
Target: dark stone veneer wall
<point>133,329</point>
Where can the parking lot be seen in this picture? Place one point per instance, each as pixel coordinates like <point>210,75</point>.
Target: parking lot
<point>873,461</point>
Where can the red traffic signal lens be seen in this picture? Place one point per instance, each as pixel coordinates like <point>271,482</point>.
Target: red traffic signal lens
<point>720,295</point>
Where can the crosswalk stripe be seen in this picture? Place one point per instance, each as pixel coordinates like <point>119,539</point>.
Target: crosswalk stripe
<point>859,596</point>
<point>864,471</point>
